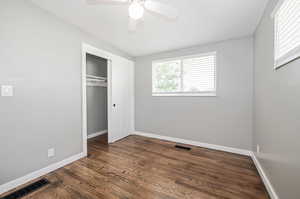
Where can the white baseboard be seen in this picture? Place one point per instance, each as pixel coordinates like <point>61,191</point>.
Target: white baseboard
<point>264,177</point>
<point>36,174</point>
<point>195,143</point>
<point>96,134</point>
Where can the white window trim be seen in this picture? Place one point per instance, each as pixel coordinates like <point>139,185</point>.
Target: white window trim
<point>291,55</point>
<point>277,7</point>
<point>187,94</point>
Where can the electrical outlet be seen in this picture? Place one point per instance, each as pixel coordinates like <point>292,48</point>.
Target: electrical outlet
<point>51,152</point>
<point>257,148</point>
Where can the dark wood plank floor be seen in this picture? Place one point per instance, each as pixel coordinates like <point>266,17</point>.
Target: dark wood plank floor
<point>144,168</point>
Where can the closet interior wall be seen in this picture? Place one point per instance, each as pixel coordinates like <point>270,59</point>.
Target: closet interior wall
<point>96,73</point>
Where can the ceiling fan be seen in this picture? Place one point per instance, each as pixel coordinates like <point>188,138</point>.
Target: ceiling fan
<point>137,8</point>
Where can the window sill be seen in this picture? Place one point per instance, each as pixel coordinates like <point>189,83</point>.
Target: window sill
<point>292,56</point>
<point>184,95</point>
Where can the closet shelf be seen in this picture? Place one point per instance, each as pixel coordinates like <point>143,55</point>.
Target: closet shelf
<point>92,80</point>
<point>95,77</point>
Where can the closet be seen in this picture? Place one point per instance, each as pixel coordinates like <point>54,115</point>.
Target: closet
<point>96,95</point>
<point>107,95</point>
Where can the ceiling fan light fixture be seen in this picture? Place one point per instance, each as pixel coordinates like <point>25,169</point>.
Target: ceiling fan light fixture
<point>136,10</point>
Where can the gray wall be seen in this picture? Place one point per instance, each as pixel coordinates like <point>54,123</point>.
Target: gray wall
<point>41,56</point>
<point>223,120</point>
<point>96,96</point>
<point>277,113</point>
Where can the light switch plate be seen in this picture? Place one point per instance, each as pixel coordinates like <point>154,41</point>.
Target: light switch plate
<point>7,90</point>
<point>51,152</point>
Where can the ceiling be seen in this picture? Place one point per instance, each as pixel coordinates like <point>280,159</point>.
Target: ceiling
<point>199,22</point>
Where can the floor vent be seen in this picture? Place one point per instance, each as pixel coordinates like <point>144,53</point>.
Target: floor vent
<point>27,190</point>
<point>183,147</point>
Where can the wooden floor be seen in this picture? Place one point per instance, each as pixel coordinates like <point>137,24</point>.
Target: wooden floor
<point>144,168</point>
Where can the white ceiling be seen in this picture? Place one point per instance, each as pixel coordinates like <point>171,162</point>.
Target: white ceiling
<point>199,22</point>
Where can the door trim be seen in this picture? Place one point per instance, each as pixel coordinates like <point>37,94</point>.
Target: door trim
<point>88,49</point>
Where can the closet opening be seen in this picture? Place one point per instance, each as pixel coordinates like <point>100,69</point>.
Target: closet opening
<point>96,98</point>
<point>107,97</point>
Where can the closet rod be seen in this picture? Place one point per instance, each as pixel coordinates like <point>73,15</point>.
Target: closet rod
<point>96,80</point>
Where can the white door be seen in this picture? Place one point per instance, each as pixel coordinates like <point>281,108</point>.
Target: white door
<point>122,99</point>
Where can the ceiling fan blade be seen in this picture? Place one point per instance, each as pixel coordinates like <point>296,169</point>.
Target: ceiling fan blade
<point>94,2</point>
<point>161,9</point>
<point>132,24</point>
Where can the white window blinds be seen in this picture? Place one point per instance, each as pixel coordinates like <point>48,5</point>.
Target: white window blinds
<point>199,74</point>
<point>287,32</point>
<point>192,75</point>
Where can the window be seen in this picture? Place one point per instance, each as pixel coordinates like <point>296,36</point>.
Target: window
<point>287,32</point>
<point>187,76</point>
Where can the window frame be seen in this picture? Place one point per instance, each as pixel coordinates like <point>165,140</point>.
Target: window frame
<point>289,56</point>
<point>182,93</point>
